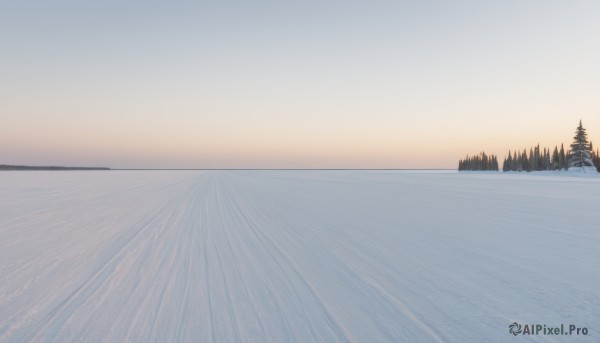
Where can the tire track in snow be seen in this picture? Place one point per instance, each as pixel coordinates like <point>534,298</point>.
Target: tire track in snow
<point>255,253</point>
<point>51,323</point>
<point>62,311</point>
<point>277,254</point>
<point>218,246</point>
<point>234,232</point>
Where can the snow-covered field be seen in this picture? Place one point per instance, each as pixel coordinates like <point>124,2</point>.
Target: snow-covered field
<point>278,256</point>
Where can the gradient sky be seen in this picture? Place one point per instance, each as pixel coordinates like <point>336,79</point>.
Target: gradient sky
<point>309,84</point>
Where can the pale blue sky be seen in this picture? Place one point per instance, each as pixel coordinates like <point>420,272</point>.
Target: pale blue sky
<point>302,84</point>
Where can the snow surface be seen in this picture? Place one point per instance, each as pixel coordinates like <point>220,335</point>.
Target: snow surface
<point>279,256</point>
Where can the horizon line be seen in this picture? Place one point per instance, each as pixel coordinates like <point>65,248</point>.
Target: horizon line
<point>8,167</point>
<point>282,169</point>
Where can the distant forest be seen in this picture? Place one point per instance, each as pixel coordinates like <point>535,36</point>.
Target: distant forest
<point>11,167</point>
<point>580,154</point>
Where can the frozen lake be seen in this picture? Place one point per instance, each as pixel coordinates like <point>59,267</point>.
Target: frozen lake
<point>279,256</point>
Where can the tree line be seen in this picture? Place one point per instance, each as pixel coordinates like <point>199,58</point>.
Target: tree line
<point>537,159</point>
<point>18,167</point>
<point>478,162</point>
<point>580,154</point>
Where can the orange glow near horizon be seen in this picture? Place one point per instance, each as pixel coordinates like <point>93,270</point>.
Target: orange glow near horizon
<point>324,148</point>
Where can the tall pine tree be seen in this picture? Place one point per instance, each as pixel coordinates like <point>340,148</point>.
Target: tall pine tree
<point>580,155</point>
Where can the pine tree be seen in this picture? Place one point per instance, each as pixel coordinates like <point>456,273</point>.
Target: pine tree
<point>580,155</point>
<point>513,162</point>
<point>542,164</point>
<point>547,161</point>
<point>506,166</point>
<point>531,160</point>
<point>526,162</point>
<point>555,159</point>
<point>537,159</point>
<point>595,157</point>
<point>562,159</point>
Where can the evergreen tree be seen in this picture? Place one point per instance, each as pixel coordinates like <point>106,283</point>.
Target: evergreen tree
<point>547,161</point>
<point>555,159</point>
<point>536,165</point>
<point>531,160</point>
<point>525,163</point>
<point>544,157</point>
<point>506,166</point>
<point>562,159</point>
<point>580,155</point>
<point>513,163</point>
<point>595,157</point>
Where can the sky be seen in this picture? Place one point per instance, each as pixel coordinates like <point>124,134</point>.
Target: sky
<point>292,84</point>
